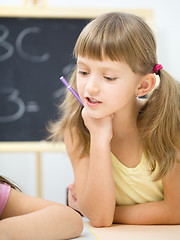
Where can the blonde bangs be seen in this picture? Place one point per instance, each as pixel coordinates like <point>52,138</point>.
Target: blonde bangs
<point>117,36</point>
<point>96,41</point>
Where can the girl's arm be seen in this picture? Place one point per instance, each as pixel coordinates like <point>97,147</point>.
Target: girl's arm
<point>93,174</point>
<point>162,212</point>
<point>30,218</point>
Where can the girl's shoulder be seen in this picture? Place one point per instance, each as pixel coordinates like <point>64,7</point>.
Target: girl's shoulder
<point>73,145</point>
<point>70,134</point>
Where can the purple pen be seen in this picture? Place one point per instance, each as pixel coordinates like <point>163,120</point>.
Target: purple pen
<point>63,80</point>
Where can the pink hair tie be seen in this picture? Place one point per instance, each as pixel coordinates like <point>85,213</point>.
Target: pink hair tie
<point>157,68</point>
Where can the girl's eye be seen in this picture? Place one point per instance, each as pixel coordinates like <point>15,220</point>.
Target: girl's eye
<point>83,73</point>
<point>110,78</point>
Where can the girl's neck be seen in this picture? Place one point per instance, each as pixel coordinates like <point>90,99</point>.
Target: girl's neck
<point>126,144</point>
<point>125,121</point>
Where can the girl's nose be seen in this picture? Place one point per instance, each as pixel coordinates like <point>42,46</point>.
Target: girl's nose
<point>92,86</point>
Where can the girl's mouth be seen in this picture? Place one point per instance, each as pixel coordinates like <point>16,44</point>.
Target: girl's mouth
<point>92,102</point>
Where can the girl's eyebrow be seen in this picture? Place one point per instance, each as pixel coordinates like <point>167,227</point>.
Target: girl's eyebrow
<point>83,63</point>
<point>80,62</point>
<point>104,68</point>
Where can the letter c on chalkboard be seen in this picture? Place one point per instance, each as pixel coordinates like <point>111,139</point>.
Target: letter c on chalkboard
<point>25,55</point>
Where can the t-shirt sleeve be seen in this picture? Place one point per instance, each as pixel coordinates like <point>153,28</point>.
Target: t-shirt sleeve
<point>4,194</point>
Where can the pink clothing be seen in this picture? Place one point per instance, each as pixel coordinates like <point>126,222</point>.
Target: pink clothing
<point>4,194</point>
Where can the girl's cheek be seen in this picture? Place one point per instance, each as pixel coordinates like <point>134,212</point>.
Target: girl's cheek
<point>80,88</point>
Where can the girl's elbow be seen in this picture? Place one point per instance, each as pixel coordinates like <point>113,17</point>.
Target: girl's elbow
<point>99,217</point>
<point>101,222</point>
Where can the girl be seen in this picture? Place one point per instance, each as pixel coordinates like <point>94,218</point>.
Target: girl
<point>124,149</point>
<point>29,218</point>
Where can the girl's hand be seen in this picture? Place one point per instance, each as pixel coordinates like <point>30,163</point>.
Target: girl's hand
<point>72,200</point>
<point>101,127</point>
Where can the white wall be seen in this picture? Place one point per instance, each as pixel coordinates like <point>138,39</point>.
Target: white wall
<point>57,171</point>
<point>57,175</point>
<point>20,168</point>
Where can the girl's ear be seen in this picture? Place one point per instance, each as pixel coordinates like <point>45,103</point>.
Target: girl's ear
<point>147,83</point>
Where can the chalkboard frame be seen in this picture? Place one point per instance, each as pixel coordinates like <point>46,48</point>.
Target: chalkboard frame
<point>62,12</point>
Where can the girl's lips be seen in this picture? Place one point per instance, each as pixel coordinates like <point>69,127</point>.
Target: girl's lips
<point>92,102</point>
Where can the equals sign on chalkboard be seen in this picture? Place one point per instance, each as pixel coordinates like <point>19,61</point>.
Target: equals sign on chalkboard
<point>32,106</point>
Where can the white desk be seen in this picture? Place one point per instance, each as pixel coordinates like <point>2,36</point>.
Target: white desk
<point>131,232</point>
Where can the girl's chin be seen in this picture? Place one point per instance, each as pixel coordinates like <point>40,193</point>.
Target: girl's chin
<point>96,114</point>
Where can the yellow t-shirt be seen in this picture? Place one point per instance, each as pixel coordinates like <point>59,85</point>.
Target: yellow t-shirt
<point>135,185</point>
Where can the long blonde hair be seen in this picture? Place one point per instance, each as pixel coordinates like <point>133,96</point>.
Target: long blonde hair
<point>126,37</point>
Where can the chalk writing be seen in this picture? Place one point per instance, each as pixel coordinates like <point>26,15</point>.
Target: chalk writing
<point>9,49</point>
<point>11,96</point>
<point>24,54</point>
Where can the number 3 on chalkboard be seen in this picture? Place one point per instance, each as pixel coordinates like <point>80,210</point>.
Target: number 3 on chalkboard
<point>11,96</point>
<point>10,49</point>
